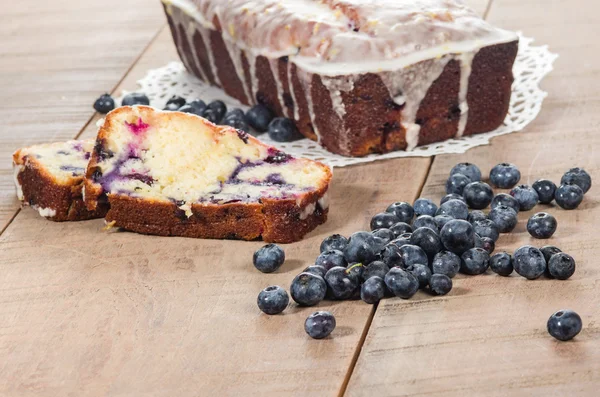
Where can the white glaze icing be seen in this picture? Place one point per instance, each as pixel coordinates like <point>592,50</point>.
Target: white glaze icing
<point>274,65</point>
<point>466,60</point>
<point>292,91</point>
<point>16,170</point>
<point>308,210</point>
<point>45,212</point>
<point>190,31</point>
<point>324,201</point>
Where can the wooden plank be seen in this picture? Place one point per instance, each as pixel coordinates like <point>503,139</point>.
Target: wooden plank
<point>57,57</point>
<point>488,336</point>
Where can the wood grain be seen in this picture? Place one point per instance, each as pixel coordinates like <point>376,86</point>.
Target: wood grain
<point>488,336</point>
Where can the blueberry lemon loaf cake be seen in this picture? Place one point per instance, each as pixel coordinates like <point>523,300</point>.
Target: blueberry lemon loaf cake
<point>50,178</point>
<point>359,76</point>
<point>176,174</point>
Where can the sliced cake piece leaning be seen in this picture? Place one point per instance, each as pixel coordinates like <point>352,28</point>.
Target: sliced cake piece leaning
<point>49,178</point>
<point>176,174</point>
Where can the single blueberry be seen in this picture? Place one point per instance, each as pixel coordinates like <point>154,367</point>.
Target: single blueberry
<point>504,217</point>
<point>237,124</point>
<point>308,289</point>
<point>317,270</point>
<point>332,258</point>
<point>474,261</point>
<point>174,103</point>
<point>548,251</point>
<point>190,109</point>
<point>319,325</point>
<point>440,284</point>
<point>478,195</point>
<point>454,208</point>
<point>424,206</point>
<point>403,211</point>
<point>412,254</point>
<point>376,268</point>
<point>529,262</point>
<point>385,234</point>
<point>561,266</point>
<point>219,108</point>
<point>392,256</point>
<point>334,242</point>
<point>362,247</point>
<point>458,236</point>
<point>422,273</point>
<point>526,196</point>
<point>268,258</point>
<point>467,169</point>
<point>104,104</point>
<point>272,300</point>
<point>452,196</point>
<point>401,283</point>
<point>564,325</point>
<point>447,263</point>
<point>568,196</point>
<point>486,243</point>
<point>505,175</point>
<point>211,115</point>
<point>383,220</point>
<point>135,98</point>
<point>501,263</point>
<point>579,177</point>
<point>259,117</point>
<point>282,129</point>
<point>507,200</point>
<point>476,215</point>
<point>402,239</point>
<point>456,183</point>
<point>542,225</point>
<point>486,228</point>
<point>198,104</point>
<point>400,228</point>
<point>340,283</point>
<point>425,221</point>
<point>545,190</point>
<point>441,220</point>
<point>235,113</point>
<point>428,240</point>
<point>373,290</point>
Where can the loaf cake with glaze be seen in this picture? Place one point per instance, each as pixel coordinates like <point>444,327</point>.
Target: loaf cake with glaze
<point>177,174</point>
<point>358,76</point>
<point>49,178</point>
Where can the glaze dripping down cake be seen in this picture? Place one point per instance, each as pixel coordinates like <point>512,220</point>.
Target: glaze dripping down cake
<point>176,174</point>
<point>359,76</point>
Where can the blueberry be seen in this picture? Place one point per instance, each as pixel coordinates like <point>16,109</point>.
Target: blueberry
<point>219,108</point>
<point>441,220</point>
<point>478,195</point>
<point>476,215</point>
<point>190,109</point>
<point>334,242</point>
<point>282,129</point>
<point>421,272</point>
<point>486,228</point>
<point>268,258</point>
<point>507,200</point>
<point>401,283</point>
<point>412,254</point>
<point>175,103</point>
<point>211,115</point>
<point>486,243</point>
<point>579,177</point>
<point>505,175</point>
<point>501,263</point>
<point>376,268</point>
<point>440,284</point>
<point>526,196</point>
<point>428,240</point>
<point>425,221</point>
<point>319,324</point>
<point>373,290</point>
<point>392,256</point>
<point>237,124</point>
<point>564,325</point>
<point>403,211</point>
<point>362,247</point>
<point>308,289</point>
<point>135,98</point>
<point>542,225</point>
<point>332,258</point>
<point>529,262</point>
<point>456,183</point>
<point>402,239</point>
<point>561,266</point>
<point>316,270</point>
<point>235,114</point>
<point>104,104</point>
<point>400,228</point>
<point>452,196</point>
<point>467,169</point>
<point>272,300</point>
<point>474,261</point>
<point>548,251</point>
<point>341,284</point>
<point>423,206</point>
<point>383,220</point>
<point>198,104</point>
<point>504,217</point>
<point>385,234</point>
<point>545,190</point>
<point>568,196</point>
<point>447,263</point>
<point>458,236</point>
<point>259,117</point>
<point>455,208</point>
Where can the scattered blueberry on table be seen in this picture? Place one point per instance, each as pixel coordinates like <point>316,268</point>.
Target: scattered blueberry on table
<point>104,104</point>
<point>269,258</point>
<point>175,103</point>
<point>526,196</point>
<point>542,225</point>
<point>577,176</point>
<point>505,175</point>
<point>273,300</point>
<point>372,290</point>
<point>529,262</point>
<point>334,242</point>
<point>282,129</point>
<point>135,98</point>
<point>308,289</point>
<point>469,170</point>
<point>455,184</point>
<point>564,325</point>
<point>424,206</point>
<point>501,263</point>
<point>259,117</point>
<point>561,266</point>
<point>402,210</point>
<point>545,190</point>
<point>478,195</point>
<point>568,196</point>
<point>320,324</point>
<point>440,284</point>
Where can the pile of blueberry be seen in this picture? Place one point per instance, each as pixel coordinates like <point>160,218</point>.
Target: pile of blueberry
<point>257,120</point>
<point>423,246</point>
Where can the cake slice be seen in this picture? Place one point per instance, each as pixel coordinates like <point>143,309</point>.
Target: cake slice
<point>176,174</point>
<point>49,178</point>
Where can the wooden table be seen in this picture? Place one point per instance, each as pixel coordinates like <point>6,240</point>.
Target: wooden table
<point>88,313</point>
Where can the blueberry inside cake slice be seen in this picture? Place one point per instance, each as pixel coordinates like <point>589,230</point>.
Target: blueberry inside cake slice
<point>49,178</point>
<point>176,174</point>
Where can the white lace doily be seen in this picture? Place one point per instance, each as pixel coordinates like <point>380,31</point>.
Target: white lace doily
<point>531,65</point>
